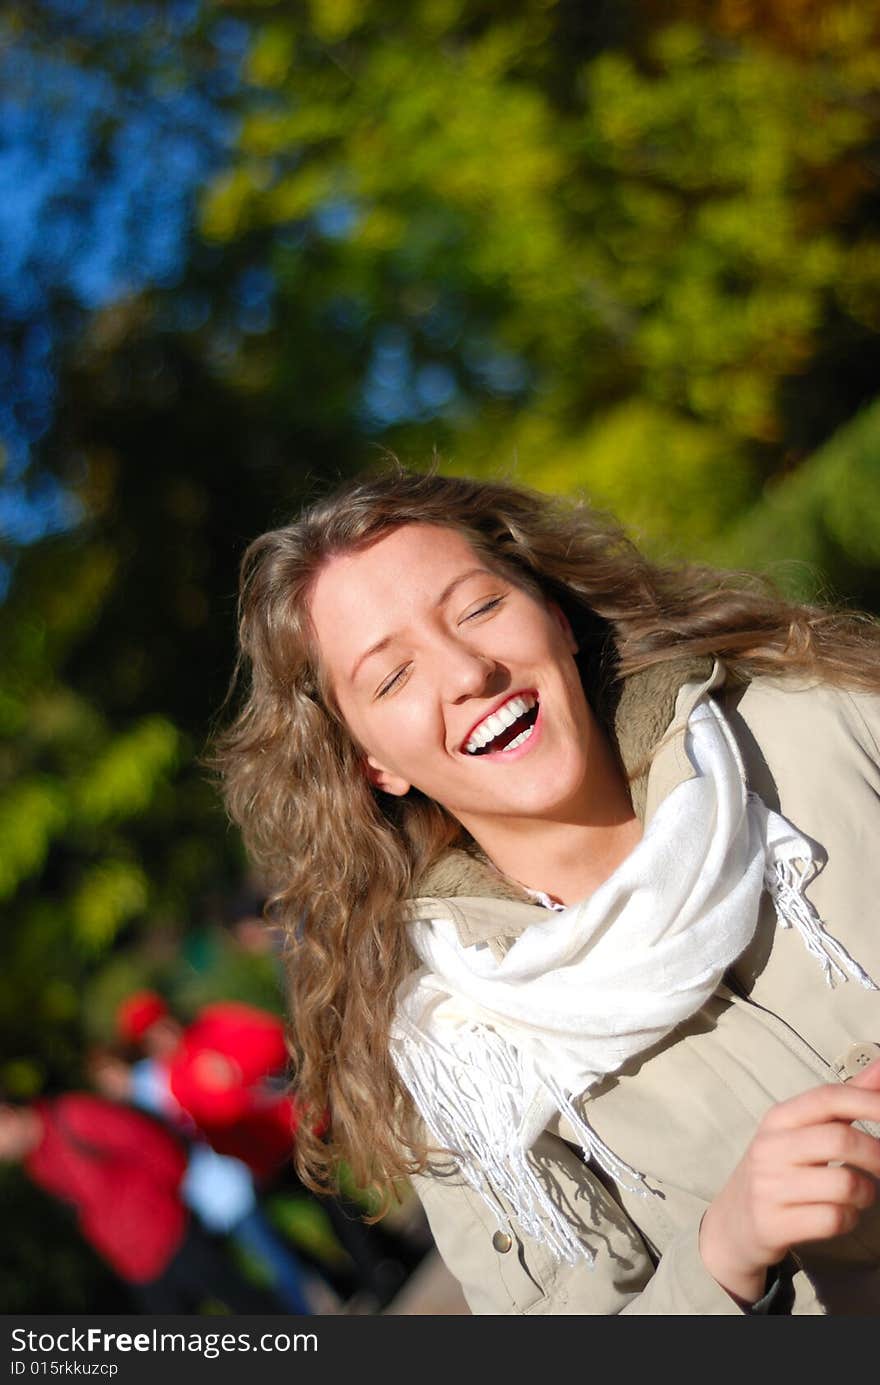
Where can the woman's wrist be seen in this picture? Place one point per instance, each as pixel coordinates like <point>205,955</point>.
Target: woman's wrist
<point>745,1284</point>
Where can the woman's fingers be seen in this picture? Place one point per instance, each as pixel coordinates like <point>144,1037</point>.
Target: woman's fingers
<point>833,1102</point>
<point>834,1186</point>
<point>868,1078</point>
<point>807,1175</point>
<point>834,1142</point>
<point>818,1221</point>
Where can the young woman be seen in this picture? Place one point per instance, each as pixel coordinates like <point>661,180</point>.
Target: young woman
<point>577,860</point>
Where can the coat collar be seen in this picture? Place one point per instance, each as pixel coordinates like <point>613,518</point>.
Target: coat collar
<point>649,720</point>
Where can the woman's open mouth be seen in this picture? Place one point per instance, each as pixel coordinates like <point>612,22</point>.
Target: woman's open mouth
<point>506,729</point>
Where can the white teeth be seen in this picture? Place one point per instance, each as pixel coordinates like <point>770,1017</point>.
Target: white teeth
<point>493,725</point>
<point>518,740</point>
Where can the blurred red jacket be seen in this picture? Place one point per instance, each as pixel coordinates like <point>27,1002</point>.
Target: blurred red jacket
<point>121,1171</point>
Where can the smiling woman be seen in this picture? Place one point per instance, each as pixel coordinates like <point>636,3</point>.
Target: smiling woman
<point>542,823</point>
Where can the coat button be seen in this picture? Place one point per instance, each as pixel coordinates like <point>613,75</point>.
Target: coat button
<point>857,1058</point>
<point>502,1242</point>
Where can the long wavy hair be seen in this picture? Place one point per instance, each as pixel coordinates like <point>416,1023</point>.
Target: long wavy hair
<point>340,857</point>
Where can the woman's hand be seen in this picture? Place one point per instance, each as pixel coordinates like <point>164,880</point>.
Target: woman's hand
<point>806,1176</point>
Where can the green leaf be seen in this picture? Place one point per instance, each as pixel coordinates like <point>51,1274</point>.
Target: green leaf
<point>124,780</point>
<point>108,895</point>
<point>31,814</point>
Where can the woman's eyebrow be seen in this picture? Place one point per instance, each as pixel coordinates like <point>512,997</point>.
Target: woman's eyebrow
<point>441,600</point>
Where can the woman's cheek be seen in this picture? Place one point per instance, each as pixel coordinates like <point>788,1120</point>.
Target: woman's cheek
<point>404,733</point>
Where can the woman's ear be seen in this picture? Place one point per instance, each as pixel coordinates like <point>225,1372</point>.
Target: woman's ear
<point>385,779</point>
<point>565,625</point>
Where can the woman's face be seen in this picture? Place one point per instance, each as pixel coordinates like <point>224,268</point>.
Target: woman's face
<point>423,645</point>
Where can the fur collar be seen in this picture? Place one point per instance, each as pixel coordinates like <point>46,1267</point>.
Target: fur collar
<point>645,706</point>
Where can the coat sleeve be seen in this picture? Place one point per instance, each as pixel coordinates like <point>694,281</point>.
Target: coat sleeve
<point>529,1278</point>
<point>121,1134</point>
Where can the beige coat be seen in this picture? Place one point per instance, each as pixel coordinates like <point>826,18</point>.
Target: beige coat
<point>684,1111</point>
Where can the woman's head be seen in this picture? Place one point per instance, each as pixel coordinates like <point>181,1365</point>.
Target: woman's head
<point>371,562</point>
<point>454,679</point>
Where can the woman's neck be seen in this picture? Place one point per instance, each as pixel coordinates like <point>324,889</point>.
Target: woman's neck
<point>567,861</point>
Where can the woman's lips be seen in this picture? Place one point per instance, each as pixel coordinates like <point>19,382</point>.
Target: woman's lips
<point>520,750</point>
<point>502,702</point>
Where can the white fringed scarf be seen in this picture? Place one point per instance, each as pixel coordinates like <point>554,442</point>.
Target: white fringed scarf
<point>491,1049</point>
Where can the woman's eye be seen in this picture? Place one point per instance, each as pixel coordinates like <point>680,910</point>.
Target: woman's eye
<point>487,606</point>
<point>386,687</point>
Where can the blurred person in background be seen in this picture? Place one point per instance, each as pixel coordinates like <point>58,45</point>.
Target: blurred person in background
<point>217,1188</point>
<point>122,1173</point>
<point>227,1070</point>
<point>575,857</point>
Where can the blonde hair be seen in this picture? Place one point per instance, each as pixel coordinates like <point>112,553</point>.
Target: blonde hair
<point>342,858</point>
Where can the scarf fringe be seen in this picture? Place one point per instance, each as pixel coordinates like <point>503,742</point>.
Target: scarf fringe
<point>595,1148</point>
<point>785,882</point>
<point>465,1098</point>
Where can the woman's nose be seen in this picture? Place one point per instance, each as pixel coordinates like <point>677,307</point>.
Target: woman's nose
<point>466,672</point>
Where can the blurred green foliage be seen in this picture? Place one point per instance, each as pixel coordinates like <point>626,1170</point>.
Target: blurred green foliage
<point>586,239</point>
<point>631,249</point>
<point>817,533</point>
